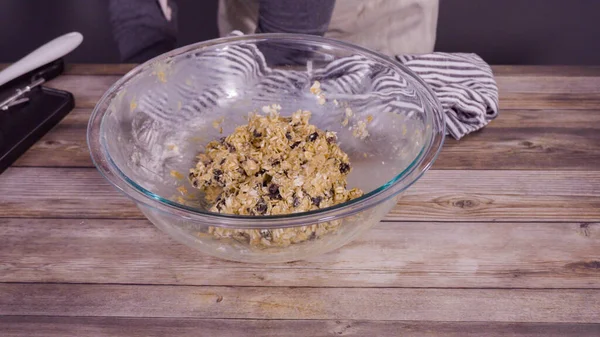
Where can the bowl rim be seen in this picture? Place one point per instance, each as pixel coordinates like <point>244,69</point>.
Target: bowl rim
<point>111,172</point>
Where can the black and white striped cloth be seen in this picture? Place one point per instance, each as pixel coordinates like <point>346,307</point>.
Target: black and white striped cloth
<point>463,83</point>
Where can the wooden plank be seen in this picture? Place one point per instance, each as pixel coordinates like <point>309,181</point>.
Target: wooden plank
<point>529,119</point>
<point>92,68</point>
<point>554,84</point>
<point>555,70</point>
<point>545,101</point>
<point>499,70</point>
<point>509,119</point>
<point>516,92</point>
<point>579,83</point>
<point>72,192</point>
<point>34,326</point>
<point>466,255</point>
<point>441,195</point>
<point>476,305</point>
<point>533,148</point>
<point>65,145</point>
<point>548,87</point>
<point>518,140</point>
<point>86,89</point>
<point>464,195</point>
<point>118,69</point>
<point>96,84</point>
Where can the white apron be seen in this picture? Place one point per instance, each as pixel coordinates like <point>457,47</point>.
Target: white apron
<point>391,27</point>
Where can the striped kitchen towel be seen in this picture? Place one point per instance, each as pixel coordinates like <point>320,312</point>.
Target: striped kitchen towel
<point>464,85</point>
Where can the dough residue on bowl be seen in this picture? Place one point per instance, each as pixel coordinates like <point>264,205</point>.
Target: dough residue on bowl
<point>274,165</point>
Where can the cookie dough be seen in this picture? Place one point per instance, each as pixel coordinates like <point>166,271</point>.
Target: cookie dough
<point>274,165</point>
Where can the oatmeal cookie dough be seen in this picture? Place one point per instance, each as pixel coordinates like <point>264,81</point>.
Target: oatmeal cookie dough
<point>274,165</point>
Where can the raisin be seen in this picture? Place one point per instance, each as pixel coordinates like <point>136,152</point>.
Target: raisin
<point>273,189</point>
<point>219,203</point>
<point>331,138</point>
<point>296,201</point>
<point>316,200</point>
<point>312,137</point>
<point>261,206</point>
<point>274,192</point>
<point>195,183</point>
<point>256,134</point>
<point>344,167</point>
<point>288,135</point>
<point>295,145</point>
<point>276,162</point>
<point>217,175</point>
<point>267,179</point>
<point>222,140</point>
<point>230,147</point>
<point>222,161</point>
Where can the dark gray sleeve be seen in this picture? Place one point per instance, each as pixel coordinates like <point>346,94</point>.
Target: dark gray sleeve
<point>294,16</point>
<point>141,30</point>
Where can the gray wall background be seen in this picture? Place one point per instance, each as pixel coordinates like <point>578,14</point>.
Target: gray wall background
<point>501,31</point>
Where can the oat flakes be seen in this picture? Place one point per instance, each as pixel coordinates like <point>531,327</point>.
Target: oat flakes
<point>274,165</point>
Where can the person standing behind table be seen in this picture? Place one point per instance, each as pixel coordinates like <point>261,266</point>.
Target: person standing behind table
<point>146,28</point>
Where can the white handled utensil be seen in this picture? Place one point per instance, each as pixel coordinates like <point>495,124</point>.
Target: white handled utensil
<point>45,54</point>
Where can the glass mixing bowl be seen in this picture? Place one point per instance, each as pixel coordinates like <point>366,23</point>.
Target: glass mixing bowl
<point>147,129</point>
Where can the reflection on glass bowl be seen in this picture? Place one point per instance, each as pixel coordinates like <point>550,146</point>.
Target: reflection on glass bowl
<point>148,128</point>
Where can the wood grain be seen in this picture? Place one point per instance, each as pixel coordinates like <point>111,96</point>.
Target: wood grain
<point>518,140</point>
<point>553,84</point>
<point>506,228</point>
<point>92,68</point>
<point>499,70</point>
<point>516,92</point>
<point>87,90</point>
<point>65,145</point>
<point>35,326</point>
<point>521,87</point>
<point>546,88</point>
<point>540,71</point>
<point>514,305</point>
<point>537,121</point>
<point>99,69</point>
<point>62,192</point>
<point>441,195</point>
<point>545,101</point>
<point>466,255</point>
<point>533,148</point>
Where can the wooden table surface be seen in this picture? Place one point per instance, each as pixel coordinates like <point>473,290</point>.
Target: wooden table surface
<point>501,237</point>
